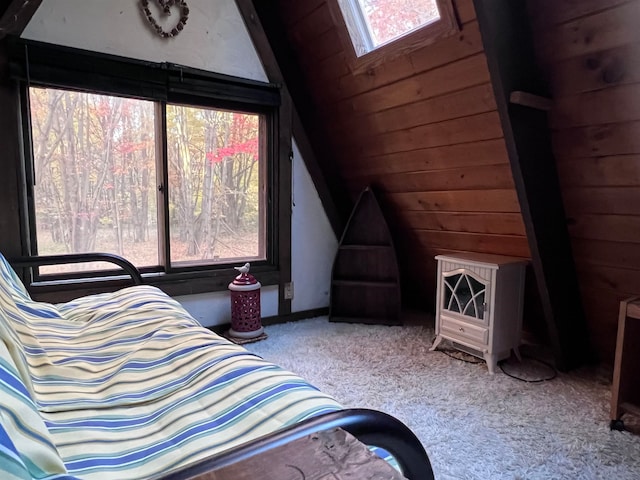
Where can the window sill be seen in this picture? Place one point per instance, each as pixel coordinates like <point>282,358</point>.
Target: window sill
<point>173,284</point>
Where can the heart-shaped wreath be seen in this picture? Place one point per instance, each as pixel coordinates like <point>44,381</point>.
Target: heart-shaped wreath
<point>166,6</point>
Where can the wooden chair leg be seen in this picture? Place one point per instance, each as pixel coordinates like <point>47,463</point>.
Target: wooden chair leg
<point>621,369</point>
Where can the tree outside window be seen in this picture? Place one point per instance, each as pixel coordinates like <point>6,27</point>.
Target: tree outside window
<point>96,169</point>
<point>387,20</point>
<point>376,31</point>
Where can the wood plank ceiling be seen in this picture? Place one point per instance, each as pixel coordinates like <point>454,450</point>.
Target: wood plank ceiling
<point>590,54</point>
<point>424,130</point>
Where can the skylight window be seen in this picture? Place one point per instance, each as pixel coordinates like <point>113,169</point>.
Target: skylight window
<point>373,23</point>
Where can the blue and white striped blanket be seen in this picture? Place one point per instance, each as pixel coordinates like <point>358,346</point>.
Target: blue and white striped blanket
<point>128,385</point>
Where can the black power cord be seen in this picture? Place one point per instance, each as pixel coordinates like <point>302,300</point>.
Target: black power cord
<point>551,376</point>
<point>450,353</point>
<point>554,372</point>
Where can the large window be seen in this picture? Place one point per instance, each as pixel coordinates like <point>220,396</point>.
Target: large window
<point>174,169</point>
<point>96,167</point>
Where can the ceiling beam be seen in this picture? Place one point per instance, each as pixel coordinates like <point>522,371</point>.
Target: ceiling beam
<point>508,44</point>
<point>16,15</point>
<point>267,32</point>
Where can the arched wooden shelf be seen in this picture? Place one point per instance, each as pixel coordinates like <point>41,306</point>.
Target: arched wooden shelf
<point>365,281</point>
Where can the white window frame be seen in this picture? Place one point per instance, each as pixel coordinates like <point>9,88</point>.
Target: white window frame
<point>357,40</point>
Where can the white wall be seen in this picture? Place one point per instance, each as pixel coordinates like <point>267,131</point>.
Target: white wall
<point>313,244</point>
<point>214,39</point>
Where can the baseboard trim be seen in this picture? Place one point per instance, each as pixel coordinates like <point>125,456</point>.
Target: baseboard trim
<point>276,319</point>
<point>295,316</point>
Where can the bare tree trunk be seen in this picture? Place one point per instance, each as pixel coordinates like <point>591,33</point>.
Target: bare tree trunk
<point>203,234</point>
<point>186,198</point>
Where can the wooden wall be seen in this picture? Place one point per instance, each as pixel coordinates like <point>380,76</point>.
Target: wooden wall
<point>424,130</point>
<point>589,50</point>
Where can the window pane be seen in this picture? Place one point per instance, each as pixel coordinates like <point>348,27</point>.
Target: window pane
<point>216,203</point>
<point>390,19</point>
<point>94,165</point>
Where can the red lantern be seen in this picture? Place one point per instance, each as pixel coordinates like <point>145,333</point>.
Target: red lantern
<point>245,305</point>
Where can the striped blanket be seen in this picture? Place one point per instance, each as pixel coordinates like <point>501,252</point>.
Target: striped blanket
<point>128,385</point>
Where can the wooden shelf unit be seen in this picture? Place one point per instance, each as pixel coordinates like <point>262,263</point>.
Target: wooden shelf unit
<point>365,281</point>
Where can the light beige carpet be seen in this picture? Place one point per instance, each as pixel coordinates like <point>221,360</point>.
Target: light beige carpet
<point>473,425</point>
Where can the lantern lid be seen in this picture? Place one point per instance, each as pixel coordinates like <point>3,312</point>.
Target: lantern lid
<point>245,279</point>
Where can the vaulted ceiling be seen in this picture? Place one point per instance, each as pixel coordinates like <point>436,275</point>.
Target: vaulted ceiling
<point>457,164</point>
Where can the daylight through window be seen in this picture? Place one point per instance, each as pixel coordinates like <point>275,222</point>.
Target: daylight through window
<point>98,180</point>
<point>215,197</point>
<point>373,23</point>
